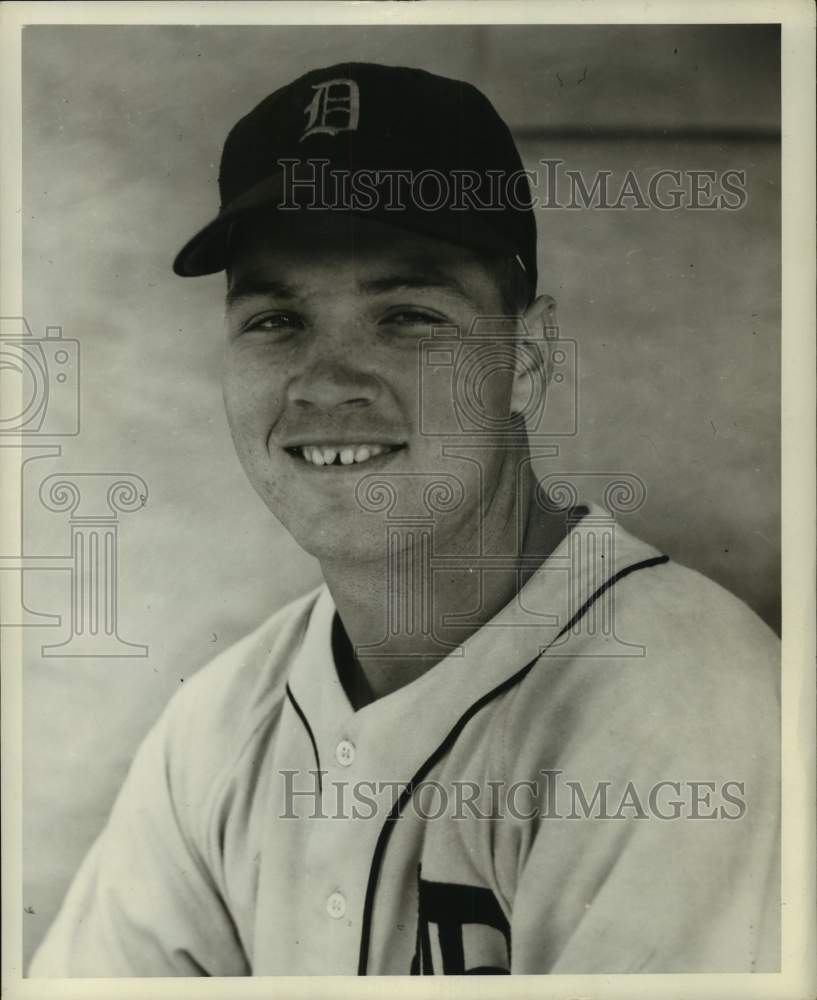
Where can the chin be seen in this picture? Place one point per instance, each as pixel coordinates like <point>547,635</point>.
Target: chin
<point>353,547</point>
<point>333,535</point>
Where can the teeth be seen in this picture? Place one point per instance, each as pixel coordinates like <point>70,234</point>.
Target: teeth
<point>348,454</point>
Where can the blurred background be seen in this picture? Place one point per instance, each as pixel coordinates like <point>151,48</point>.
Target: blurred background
<point>676,315</point>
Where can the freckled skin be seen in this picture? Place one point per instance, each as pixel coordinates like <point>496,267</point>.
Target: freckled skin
<point>335,355</point>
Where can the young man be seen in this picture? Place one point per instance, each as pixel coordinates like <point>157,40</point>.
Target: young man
<point>505,736</point>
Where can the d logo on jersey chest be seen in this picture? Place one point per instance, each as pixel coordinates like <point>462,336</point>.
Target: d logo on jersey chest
<point>461,930</point>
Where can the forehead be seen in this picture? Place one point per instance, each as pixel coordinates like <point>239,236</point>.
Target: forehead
<point>333,248</point>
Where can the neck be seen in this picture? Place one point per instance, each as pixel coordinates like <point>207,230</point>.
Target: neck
<point>394,642</point>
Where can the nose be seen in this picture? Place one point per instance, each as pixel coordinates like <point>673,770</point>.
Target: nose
<point>329,384</point>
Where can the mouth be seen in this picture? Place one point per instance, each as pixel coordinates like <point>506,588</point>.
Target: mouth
<point>340,454</point>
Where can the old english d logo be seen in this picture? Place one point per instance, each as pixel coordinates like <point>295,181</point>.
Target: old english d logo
<point>461,930</point>
<point>334,108</point>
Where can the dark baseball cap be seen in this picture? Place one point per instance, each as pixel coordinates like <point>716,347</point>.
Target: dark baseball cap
<point>419,151</point>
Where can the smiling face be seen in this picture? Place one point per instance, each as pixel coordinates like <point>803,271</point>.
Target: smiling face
<point>321,377</point>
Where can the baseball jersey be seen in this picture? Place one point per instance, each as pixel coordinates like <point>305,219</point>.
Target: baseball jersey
<point>588,784</point>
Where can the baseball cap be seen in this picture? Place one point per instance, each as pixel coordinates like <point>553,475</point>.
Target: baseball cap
<point>417,150</point>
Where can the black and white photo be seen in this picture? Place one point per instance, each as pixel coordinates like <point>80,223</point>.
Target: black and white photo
<point>395,548</point>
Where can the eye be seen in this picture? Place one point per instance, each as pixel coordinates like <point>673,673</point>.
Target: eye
<point>412,318</point>
<point>277,322</point>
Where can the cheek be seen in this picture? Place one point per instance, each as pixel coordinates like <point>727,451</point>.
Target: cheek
<point>493,391</point>
<point>467,399</point>
<point>253,394</point>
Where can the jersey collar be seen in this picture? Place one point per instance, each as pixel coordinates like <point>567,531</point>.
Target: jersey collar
<point>393,735</point>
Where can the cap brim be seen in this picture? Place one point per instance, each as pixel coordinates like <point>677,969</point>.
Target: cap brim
<point>207,251</point>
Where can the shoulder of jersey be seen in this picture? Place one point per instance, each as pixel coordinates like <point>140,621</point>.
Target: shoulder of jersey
<point>227,700</point>
<point>689,662</point>
<point>679,617</point>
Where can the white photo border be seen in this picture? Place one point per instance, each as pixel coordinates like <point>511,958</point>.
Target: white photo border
<point>798,977</point>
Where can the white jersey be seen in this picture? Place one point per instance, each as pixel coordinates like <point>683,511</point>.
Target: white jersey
<point>590,784</point>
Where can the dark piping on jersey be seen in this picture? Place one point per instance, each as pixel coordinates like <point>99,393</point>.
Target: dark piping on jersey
<point>310,734</point>
<point>448,742</point>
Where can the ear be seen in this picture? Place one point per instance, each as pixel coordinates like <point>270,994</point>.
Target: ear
<point>538,326</point>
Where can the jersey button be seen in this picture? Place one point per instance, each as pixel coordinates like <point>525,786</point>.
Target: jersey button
<point>336,905</point>
<point>345,753</point>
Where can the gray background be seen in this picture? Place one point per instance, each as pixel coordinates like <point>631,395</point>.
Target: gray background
<point>677,315</point>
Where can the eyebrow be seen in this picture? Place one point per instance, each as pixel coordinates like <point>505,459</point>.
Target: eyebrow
<point>432,280</point>
<point>250,287</point>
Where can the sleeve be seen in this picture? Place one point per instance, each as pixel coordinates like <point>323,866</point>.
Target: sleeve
<point>676,868</point>
<point>637,893</point>
<point>143,902</point>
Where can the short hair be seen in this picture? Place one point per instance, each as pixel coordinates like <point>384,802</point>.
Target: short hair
<point>515,291</point>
